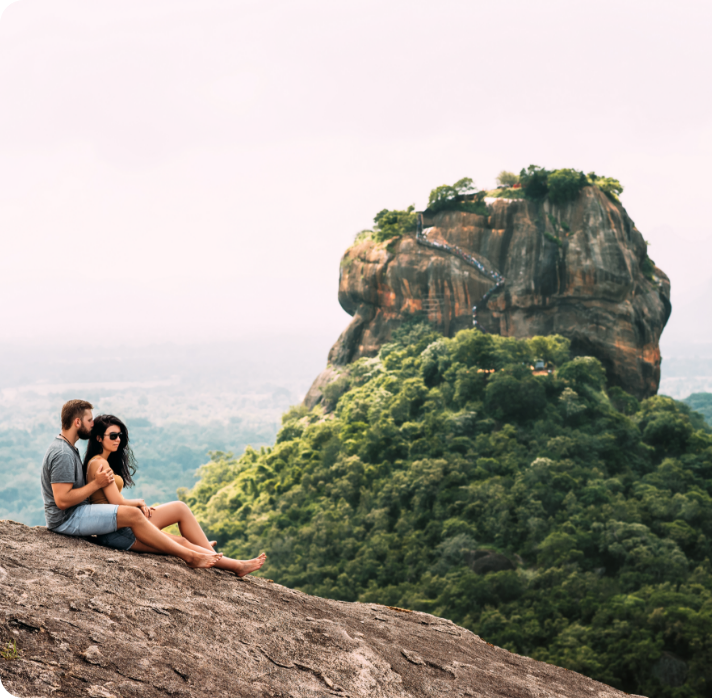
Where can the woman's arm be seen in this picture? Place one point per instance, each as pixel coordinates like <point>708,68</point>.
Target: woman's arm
<point>111,491</point>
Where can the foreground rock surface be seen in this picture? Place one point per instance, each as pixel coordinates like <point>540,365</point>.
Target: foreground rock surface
<point>95,622</point>
<point>590,286</point>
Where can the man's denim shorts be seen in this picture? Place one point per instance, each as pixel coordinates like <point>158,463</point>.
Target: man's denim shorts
<point>98,520</point>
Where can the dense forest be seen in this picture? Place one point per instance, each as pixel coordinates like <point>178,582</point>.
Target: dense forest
<point>550,514</point>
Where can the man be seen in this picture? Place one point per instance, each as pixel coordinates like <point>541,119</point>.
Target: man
<point>65,494</point>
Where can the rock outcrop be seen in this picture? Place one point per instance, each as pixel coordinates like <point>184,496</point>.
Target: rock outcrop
<point>90,621</point>
<point>577,270</point>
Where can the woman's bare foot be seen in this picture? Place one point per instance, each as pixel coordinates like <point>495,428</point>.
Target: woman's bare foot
<point>243,567</point>
<point>200,561</point>
<point>213,543</point>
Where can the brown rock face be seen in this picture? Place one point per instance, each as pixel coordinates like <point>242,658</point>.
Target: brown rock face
<point>90,621</point>
<point>590,288</point>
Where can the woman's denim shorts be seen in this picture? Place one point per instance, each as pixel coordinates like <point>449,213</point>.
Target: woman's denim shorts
<point>98,520</point>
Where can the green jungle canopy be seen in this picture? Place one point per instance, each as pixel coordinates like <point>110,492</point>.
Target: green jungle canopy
<point>549,514</point>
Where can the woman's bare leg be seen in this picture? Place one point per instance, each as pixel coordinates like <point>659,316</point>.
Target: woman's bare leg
<point>239,567</point>
<point>139,547</point>
<point>150,536</point>
<point>180,513</point>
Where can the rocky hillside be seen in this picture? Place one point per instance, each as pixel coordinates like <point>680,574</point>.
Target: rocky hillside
<point>578,269</point>
<point>89,621</point>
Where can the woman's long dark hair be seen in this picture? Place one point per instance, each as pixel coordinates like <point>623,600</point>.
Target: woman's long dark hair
<point>122,461</point>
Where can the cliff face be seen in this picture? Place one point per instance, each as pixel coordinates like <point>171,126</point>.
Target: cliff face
<point>589,286</point>
<point>95,622</point>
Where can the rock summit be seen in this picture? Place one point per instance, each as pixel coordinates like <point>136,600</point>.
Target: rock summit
<point>578,269</point>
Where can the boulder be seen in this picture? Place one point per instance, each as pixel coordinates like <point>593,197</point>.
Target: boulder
<point>579,270</point>
<point>90,621</point>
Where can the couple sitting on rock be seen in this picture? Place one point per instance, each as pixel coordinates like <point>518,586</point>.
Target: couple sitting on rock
<point>84,498</point>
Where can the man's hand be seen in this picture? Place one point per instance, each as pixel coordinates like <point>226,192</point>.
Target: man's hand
<point>104,476</point>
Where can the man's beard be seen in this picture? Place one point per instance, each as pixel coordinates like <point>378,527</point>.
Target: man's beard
<point>83,433</point>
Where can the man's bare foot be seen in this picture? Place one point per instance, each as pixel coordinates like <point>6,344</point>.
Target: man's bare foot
<point>243,567</point>
<point>200,561</point>
<point>213,543</point>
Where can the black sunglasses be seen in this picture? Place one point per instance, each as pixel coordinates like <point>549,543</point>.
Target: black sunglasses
<point>115,435</point>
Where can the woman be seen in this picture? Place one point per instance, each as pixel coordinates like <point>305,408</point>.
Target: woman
<point>109,445</point>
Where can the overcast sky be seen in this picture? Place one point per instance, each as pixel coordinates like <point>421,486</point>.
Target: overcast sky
<point>190,170</point>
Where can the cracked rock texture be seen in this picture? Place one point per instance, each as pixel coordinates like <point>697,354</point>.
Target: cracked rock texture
<point>91,621</point>
<point>590,288</point>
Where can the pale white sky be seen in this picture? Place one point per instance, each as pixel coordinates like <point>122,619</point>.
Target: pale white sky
<point>200,166</point>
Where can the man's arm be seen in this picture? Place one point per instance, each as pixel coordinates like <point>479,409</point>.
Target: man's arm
<point>65,496</point>
<point>112,494</point>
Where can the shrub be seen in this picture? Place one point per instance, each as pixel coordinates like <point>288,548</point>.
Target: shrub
<point>553,238</point>
<point>609,186</point>
<point>648,268</point>
<point>507,193</point>
<point>534,181</point>
<point>477,206</point>
<point>445,192</point>
<point>507,179</point>
<point>565,185</point>
<point>363,235</point>
<point>391,224</point>
<point>442,197</point>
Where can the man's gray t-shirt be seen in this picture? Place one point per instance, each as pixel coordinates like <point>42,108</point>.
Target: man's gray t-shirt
<point>61,464</point>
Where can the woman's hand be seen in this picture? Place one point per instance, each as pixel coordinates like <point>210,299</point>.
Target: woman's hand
<point>145,510</point>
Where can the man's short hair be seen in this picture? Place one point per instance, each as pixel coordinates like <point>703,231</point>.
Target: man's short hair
<point>73,409</point>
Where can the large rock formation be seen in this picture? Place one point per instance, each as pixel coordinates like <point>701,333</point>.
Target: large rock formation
<point>90,621</point>
<point>590,286</point>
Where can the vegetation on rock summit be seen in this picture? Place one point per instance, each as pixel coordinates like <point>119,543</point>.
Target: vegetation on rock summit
<point>533,183</point>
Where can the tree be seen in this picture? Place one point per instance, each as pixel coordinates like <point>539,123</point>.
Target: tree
<point>440,196</point>
<point>391,224</point>
<point>513,393</point>
<point>609,186</point>
<point>534,181</point>
<point>507,179</point>
<point>565,185</point>
<point>551,349</point>
<point>583,371</point>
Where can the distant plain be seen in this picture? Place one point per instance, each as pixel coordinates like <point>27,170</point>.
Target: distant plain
<point>179,403</point>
